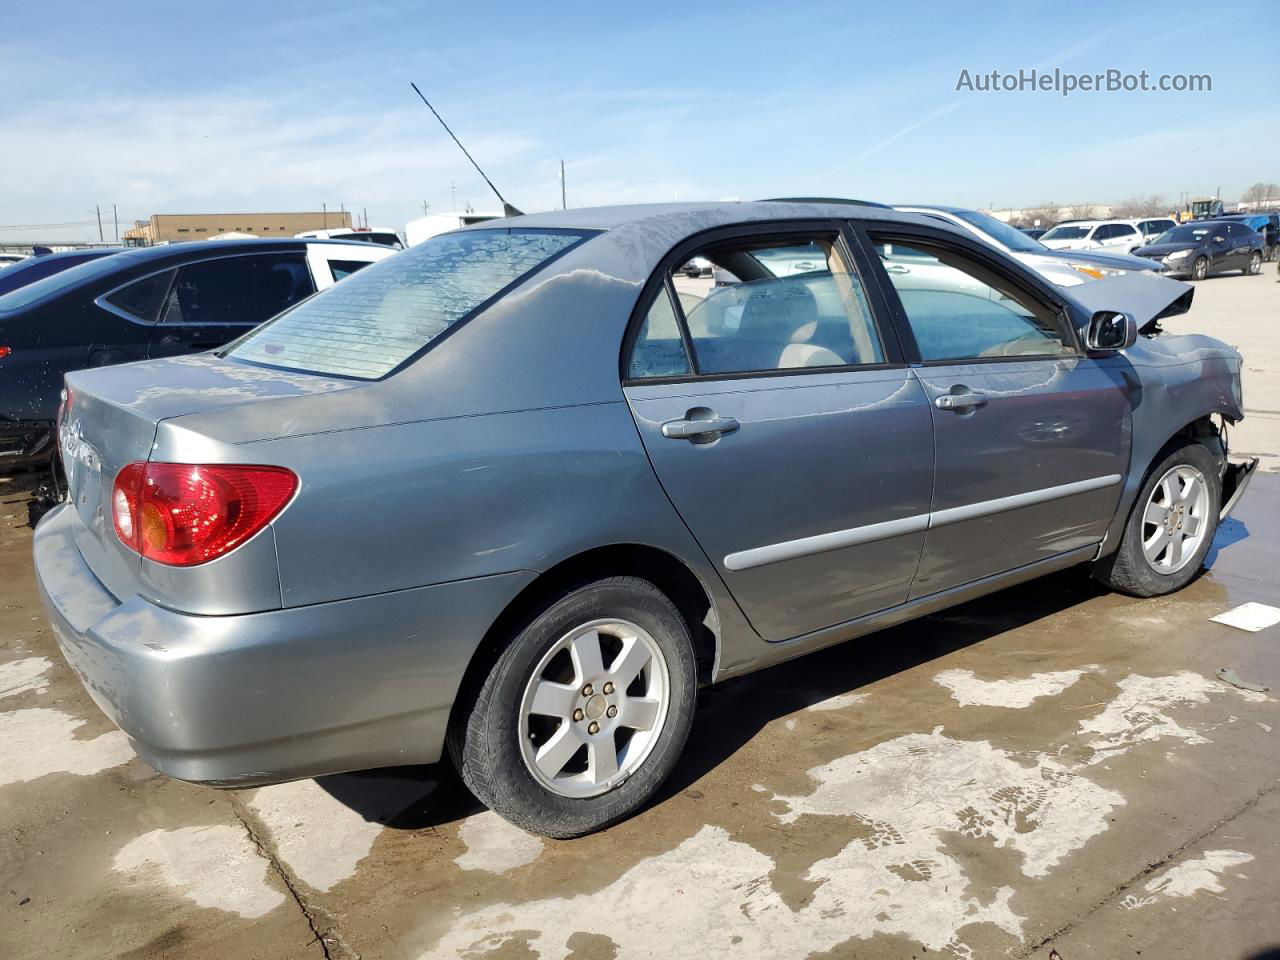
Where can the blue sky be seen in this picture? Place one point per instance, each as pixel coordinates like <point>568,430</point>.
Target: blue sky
<point>163,107</point>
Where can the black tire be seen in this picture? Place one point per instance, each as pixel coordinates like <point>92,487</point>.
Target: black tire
<point>483,739</point>
<point>1200,269</point>
<point>1127,570</point>
<point>1255,264</point>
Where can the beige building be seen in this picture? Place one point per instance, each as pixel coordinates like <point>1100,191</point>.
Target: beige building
<point>180,227</point>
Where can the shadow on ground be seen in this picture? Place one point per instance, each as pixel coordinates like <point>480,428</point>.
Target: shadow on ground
<point>732,713</point>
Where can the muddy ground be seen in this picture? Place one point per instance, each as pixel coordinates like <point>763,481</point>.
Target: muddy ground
<point>1053,768</point>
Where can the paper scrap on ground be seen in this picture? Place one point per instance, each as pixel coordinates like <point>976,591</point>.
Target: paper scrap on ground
<point>1250,616</point>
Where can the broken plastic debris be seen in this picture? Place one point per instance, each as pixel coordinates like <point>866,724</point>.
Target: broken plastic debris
<point>1233,678</point>
<point>1250,616</point>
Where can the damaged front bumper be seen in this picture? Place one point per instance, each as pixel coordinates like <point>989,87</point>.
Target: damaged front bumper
<point>1235,477</point>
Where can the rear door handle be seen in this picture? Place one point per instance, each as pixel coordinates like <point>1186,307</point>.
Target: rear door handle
<point>960,401</point>
<point>699,430</point>
<point>896,268</point>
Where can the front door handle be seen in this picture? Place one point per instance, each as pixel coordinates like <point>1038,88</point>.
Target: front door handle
<point>960,401</point>
<point>699,431</point>
<point>896,268</point>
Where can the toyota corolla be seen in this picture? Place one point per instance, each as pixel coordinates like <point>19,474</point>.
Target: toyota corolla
<point>514,494</point>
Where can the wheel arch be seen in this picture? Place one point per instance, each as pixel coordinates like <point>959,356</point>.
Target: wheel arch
<point>664,570</point>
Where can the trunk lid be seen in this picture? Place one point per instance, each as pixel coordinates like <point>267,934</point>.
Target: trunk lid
<point>112,420</point>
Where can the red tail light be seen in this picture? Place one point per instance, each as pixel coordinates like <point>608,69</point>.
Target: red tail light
<point>4,352</point>
<point>182,514</point>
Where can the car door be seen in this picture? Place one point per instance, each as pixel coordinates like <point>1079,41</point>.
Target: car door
<point>1031,436</point>
<point>213,300</point>
<point>784,426</point>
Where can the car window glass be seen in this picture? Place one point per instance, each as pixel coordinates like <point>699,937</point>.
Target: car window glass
<point>777,306</point>
<point>141,298</point>
<point>658,350</point>
<point>372,322</point>
<point>959,310</point>
<point>237,290</point>
<point>339,269</point>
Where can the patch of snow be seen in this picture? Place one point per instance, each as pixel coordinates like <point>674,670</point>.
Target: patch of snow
<point>715,891</point>
<point>213,866</point>
<point>909,792</point>
<point>21,676</point>
<point>1188,878</point>
<point>1138,714</point>
<point>37,742</point>
<point>969,691</point>
<point>495,846</point>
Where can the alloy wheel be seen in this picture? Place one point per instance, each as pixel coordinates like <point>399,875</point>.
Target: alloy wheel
<point>593,708</point>
<point>1175,519</point>
<point>1255,263</point>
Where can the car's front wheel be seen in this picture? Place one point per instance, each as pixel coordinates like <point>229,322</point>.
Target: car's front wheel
<point>1200,269</point>
<point>1255,264</point>
<point>1171,525</point>
<point>584,714</point>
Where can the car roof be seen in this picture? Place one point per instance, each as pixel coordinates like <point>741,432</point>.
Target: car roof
<point>689,216</point>
<point>197,247</point>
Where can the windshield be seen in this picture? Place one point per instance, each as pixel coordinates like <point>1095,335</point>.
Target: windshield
<point>48,286</point>
<point>1184,234</point>
<point>1011,238</point>
<point>36,268</point>
<point>370,323</point>
<point>1067,233</point>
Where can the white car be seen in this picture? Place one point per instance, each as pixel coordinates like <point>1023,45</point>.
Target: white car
<point>1065,268</point>
<point>9,259</point>
<point>424,228</point>
<point>1119,235</point>
<point>382,236</point>
<point>1153,227</point>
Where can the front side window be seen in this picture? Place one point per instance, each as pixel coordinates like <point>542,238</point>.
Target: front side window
<point>770,305</point>
<point>372,322</point>
<point>237,290</point>
<point>960,310</point>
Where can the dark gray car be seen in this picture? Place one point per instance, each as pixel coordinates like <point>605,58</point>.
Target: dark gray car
<point>523,488</point>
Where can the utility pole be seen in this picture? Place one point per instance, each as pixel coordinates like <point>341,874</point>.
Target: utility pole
<point>324,214</point>
<point>564,205</point>
<point>115,220</point>
<point>366,217</point>
<point>98,209</point>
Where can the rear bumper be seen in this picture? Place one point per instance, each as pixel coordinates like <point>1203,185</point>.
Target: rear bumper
<point>273,696</point>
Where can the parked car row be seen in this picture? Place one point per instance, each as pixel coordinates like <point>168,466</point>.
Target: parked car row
<point>96,308</point>
<point>509,495</point>
<point>1203,247</point>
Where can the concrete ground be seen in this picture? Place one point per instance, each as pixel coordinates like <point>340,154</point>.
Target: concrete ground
<point>1051,769</point>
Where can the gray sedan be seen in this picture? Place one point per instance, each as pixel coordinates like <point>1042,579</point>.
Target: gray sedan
<point>514,494</point>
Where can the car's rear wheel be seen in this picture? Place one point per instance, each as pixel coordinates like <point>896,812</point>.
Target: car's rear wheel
<point>1171,525</point>
<point>1200,269</point>
<point>584,714</point>
<point>1255,264</point>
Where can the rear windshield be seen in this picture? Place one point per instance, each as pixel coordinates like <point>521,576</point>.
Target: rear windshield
<point>372,322</point>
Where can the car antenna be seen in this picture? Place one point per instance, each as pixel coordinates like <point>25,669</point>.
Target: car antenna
<point>507,209</point>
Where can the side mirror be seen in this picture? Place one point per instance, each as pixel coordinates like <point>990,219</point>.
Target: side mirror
<point>1110,330</point>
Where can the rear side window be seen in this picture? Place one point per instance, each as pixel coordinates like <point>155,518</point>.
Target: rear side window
<point>768,305</point>
<point>141,298</point>
<point>372,322</point>
<point>237,290</point>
